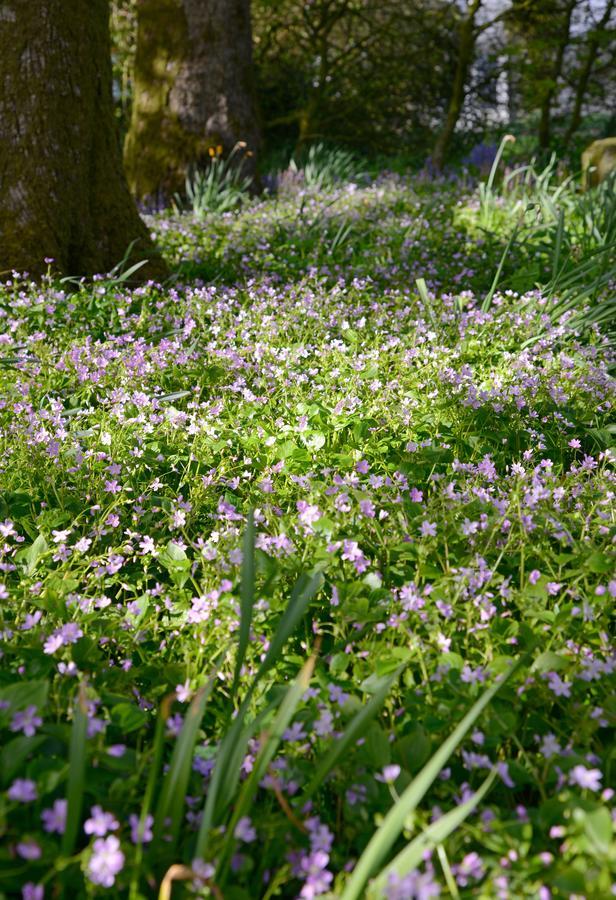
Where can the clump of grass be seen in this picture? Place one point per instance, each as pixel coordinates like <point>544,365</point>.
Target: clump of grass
<point>322,167</point>
<point>218,188</point>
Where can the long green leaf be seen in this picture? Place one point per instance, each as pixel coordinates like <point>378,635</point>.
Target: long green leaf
<point>76,771</point>
<point>388,832</point>
<point>266,753</point>
<point>302,595</point>
<point>353,730</point>
<point>173,793</point>
<point>146,805</point>
<point>230,755</point>
<point>247,597</point>
<point>409,858</point>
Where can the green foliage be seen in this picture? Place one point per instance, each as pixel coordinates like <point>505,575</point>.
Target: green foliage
<point>266,539</point>
<point>219,188</point>
<point>322,167</point>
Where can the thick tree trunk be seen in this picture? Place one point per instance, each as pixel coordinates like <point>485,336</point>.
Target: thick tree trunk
<point>193,90</point>
<point>466,54</point>
<point>63,194</point>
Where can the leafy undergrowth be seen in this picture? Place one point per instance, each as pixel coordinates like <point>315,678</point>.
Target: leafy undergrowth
<point>432,499</point>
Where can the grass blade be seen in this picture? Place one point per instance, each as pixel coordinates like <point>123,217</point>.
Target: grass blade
<point>353,730</point>
<point>247,597</point>
<point>409,858</point>
<point>173,793</point>
<point>303,593</point>
<point>230,753</point>
<point>76,771</point>
<point>392,825</point>
<point>154,769</point>
<point>422,289</point>
<point>266,753</point>
<point>485,306</point>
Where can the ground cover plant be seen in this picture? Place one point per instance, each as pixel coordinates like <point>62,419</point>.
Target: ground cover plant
<point>270,532</point>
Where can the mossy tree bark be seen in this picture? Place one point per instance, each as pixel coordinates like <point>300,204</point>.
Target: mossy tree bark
<point>193,90</point>
<point>63,193</point>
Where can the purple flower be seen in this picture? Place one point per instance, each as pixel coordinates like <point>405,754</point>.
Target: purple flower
<point>23,790</point>
<point>367,508</point>
<point>244,830</point>
<point>116,750</point>
<point>389,774</point>
<point>549,746</point>
<point>503,770</point>
<point>428,529</point>
<point>135,835</point>
<point>470,867</point>
<point>414,886</point>
<point>308,514</point>
<point>54,818</point>
<point>318,879</point>
<point>27,721</point>
<point>586,778</point>
<point>105,862</point>
<point>558,686</point>
<point>31,891</point>
<point>183,692</point>
<point>67,634</point>
<point>100,822</point>
<point>203,871</point>
<point>29,850</point>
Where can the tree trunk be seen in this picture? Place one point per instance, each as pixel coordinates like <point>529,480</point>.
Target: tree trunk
<point>464,61</point>
<point>586,72</point>
<point>63,194</point>
<point>545,109</point>
<point>193,90</point>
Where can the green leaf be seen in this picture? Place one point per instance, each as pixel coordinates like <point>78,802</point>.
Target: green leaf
<point>269,745</point>
<point>547,661</point>
<point>173,792</point>
<point>247,597</point>
<point>389,831</point>
<point>597,827</point>
<point>15,753</point>
<point>174,559</point>
<point>409,858</point>
<point>354,730</point>
<point>29,556</point>
<point>76,772</point>
<point>599,563</point>
<point>128,717</point>
<point>26,693</point>
<point>231,751</point>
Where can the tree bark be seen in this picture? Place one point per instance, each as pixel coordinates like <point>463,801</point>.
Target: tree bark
<point>464,61</point>
<point>63,194</point>
<point>586,71</point>
<point>193,91</point>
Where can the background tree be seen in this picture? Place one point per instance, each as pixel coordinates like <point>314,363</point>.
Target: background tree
<point>193,90</point>
<point>595,53</point>
<point>62,190</point>
<point>474,20</point>
<point>539,36</point>
<point>356,72</point>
